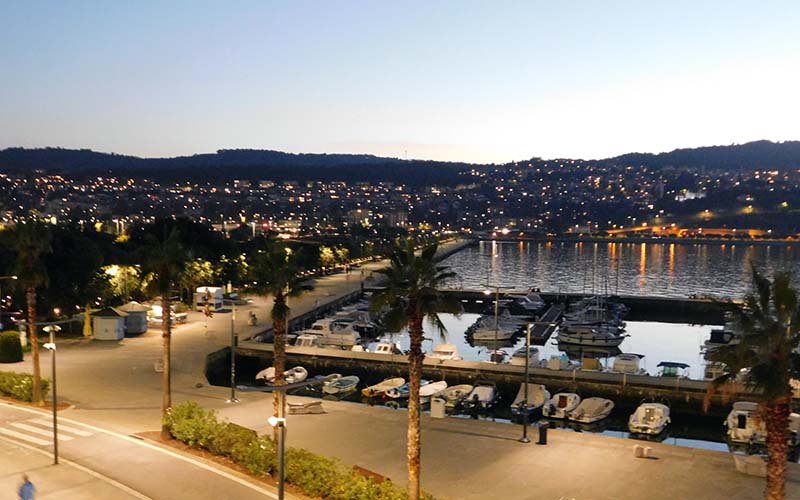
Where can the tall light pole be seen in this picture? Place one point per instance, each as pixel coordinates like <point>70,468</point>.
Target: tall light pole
<point>524,438</point>
<point>52,329</point>
<point>233,398</point>
<point>1,297</point>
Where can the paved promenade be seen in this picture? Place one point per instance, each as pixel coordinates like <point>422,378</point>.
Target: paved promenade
<point>113,386</point>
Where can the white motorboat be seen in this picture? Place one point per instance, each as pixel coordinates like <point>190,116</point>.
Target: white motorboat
<point>673,369</point>
<point>380,388</point>
<point>562,362</point>
<point>531,302</point>
<point>560,405</point>
<point>444,352</point>
<point>744,424</point>
<point>306,340</point>
<point>497,356</point>
<point>429,390</point>
<point>390,348</point>
<point>591,410</point>
<point>296,374</point>
<point>629,363</point>
<point>402,391</point>
<point>333,333</point>
<point>482,397</point>
<point>649,418</point>
<point>538,395</point>
<point>454,395</point>
<point>518,358</point>
<point>341,385</point>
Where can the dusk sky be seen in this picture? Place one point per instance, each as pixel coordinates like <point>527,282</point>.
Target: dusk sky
<point>468,81</point>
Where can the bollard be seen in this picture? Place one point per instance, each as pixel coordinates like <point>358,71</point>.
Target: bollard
<point>543,432</point>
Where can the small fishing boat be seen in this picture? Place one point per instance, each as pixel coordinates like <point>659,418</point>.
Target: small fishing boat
<point>454,395</point>
<point>390,348</point>
<point>296,374</point>
<point>560,405</point>
<point>591,410</point>
<point>380,388</point>
<point>484,396</point>
<point>341,385</point>
<point>673,369</point>
<point>427,391</point>
<point>402,391</point>
<point>444,352</point>
<point>649,418</point>
<point>744,424</point>
<point>629,363</point>
<point>538,395</point>
<point>497,356</point>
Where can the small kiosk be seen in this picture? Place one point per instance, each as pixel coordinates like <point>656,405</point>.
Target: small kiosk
<point>109,324</point>
<point>136,321</point>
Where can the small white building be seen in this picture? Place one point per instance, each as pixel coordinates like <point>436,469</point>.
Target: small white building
<point>136,321</point>
<point>211,295</point>
<point>109,324</point>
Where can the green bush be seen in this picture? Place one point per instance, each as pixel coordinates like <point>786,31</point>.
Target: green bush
<point>20,385</point>
<point>313,474</point>
<point>10,347</point>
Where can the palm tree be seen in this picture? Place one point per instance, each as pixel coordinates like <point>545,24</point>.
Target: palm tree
<point>164,259</point>
<point>411,294</point>
<point>278,275</point>
<point>31,241</point>
<point>766,360</point>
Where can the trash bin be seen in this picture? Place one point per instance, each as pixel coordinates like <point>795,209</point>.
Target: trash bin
<point>438,409</point>
<point>543,432</point>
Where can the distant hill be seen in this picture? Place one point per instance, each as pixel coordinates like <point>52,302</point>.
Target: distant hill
<point>751,155</point>
<point>234,163</point>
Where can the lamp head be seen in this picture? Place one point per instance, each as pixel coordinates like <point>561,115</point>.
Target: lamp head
<point>276,422</point>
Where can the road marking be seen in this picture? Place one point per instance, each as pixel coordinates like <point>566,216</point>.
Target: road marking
<point>73,430</point>
<point>165,451</point>
<point>106,479</point>
<point>19,435</point>
<point>41,432</point>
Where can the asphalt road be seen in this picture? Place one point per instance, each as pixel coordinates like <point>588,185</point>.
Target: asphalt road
<point>121,466</point>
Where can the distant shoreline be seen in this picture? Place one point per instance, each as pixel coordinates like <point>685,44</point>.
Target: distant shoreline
<point>660,241</point>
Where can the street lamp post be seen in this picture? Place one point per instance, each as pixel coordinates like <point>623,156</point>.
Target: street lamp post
<point>233,398</point>
<point>524,438</point>
<point>52,330</point>
<point>279,420</point>
<point>1,297</point>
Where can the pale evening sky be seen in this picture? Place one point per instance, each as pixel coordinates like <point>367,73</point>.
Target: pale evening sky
<point>468,81</point>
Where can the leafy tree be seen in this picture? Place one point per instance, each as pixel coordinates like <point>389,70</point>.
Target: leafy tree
<point>164,260</point>
<point>326,257</point>
<point>342,254</point>
<point>766,359</point>
<point>196,273</point>
<point>412,282</point>
<point>278,275</point>
<point>31,242</point>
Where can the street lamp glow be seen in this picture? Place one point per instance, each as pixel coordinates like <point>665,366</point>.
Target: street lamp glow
<point>276,422</point>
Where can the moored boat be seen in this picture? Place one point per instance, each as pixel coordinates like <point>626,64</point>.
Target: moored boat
<point>591,410</point>
<point>445,351</point>
<point>518,358</point>
<point>296,374</point>
<point>402,391</point>
<point>744,424</point>
<point>380,388</point>
<point>649,418</point>
<point>429,390</point>
<point>454,395</point>
<point>483,397</point>
<point>538,395</point>
<point>341,385</point>
<point>561,404</point>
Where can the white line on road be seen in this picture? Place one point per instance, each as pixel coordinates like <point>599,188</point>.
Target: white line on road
<point>19,435</point>
<point>139,442</point>
<point>41,432</point>
<point>106,479</point>
<point>73,430</point>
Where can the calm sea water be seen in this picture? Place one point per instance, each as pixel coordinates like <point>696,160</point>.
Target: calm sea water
<point>657,269</point>
<point>656,341</point>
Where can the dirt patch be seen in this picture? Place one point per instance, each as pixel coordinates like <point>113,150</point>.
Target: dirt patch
<point>46,406</point>
<point>155,437</point>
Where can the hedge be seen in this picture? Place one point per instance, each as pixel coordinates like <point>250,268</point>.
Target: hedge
<point>20,385</point>
<point>10,347</point>
<point>314,475</point>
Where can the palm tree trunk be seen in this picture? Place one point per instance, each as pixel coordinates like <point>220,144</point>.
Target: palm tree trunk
<point>414,448</point>
<point>36,390</point>
<point>166,339</point>
<point>279,359</point>
<point>777,447</point>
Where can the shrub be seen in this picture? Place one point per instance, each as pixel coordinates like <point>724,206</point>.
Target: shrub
<point>10,347</point>
<point>20,385</point>
<point>315,475</point>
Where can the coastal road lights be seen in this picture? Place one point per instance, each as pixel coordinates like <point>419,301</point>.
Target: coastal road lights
<point>52,329</point>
